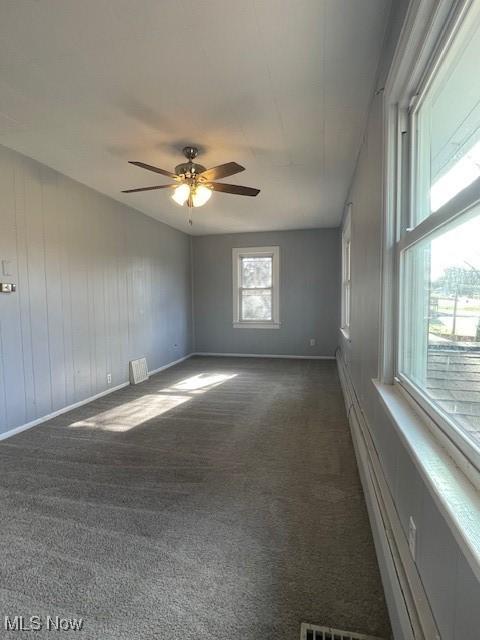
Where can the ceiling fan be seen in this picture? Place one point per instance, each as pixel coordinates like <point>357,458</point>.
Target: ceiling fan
<point>194,183</point>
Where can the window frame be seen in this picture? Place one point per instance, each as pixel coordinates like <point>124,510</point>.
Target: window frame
<point>256,252</point>
<point>346,305</point>
<point>402,101</point>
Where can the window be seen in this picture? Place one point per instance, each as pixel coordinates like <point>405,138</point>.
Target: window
<point>256,288</point>
<point>346,278</point>
<point>439,246</point>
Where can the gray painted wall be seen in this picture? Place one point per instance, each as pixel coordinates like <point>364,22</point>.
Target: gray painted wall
<point>452,589</point>
<point>98,285</point>
<point>309,293</point>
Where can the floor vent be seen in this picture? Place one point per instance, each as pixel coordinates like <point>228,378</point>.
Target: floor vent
<point>314,632</point>
<point>138,370</point>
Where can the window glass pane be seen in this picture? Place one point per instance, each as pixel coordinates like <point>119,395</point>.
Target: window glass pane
<point>448,125</point>
<point>256,272</point>
<point>440,350</point>
<point>256,305</point>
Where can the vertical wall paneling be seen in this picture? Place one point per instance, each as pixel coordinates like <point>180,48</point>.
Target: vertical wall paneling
<point>35,241</point>
<point>7,310</point>
<point>53,280</point>
<point>65,215</point>
<point>23,288</point>
<point>97,284</point>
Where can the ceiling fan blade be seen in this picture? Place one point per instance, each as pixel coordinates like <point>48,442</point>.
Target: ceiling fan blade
<point>150,167</point>
<point>160,186</point>
<point>234,188</point>
<point>222,171</point>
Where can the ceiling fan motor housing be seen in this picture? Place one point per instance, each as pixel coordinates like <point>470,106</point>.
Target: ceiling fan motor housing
<point>189,168</point>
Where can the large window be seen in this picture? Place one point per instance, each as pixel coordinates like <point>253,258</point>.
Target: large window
<point>256,288</point>
<point>439,245</point>
<point>346,273</point>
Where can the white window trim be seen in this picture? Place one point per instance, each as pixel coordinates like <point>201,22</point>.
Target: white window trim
<point>346,277</point>
<point>425,32</point>
<point>237,254</point>
<point>417,55</point>
<point>448,472</point>
<point>407,237</point>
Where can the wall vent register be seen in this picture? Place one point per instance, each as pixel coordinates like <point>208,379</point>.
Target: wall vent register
<point>314,632</point>
<point>138,371</point>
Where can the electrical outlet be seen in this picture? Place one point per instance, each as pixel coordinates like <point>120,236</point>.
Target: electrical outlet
<point>412,536</point>
<point>313,342</point>
<point>109,378</point>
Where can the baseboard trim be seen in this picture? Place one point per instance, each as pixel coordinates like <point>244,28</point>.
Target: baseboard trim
<point>410,612</point>
<point>261,355</point>
<point>75,405</point>
<point>58,412</point>
<point>170,364</point>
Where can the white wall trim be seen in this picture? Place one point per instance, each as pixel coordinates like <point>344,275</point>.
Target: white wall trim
<point>408,604</point>
<point>54,414</point>
<point>421,37</point>
<point>170,364</point>
<point>75,405</point>
<point>256,325</point>
<point>262,355</point>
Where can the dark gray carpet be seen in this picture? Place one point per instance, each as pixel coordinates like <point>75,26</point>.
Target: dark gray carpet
<point>196,506</point>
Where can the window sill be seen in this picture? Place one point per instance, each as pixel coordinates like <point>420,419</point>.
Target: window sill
<point>437,459</point>
<point>256,325</point>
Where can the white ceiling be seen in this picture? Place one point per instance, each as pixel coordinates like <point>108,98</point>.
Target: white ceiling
<point>279,86</point>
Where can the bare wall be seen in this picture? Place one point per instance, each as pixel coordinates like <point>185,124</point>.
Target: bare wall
<point>98,284</point>
<point>309,294</point>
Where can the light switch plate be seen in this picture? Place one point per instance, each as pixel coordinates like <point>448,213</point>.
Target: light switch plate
<point>7,287</point>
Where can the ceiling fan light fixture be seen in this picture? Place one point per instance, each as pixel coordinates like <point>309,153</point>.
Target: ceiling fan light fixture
<point>201,195</point>
<point>193,184</point>
<point>181,194</point>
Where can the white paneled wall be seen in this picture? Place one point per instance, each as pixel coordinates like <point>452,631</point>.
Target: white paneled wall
<point>98,284</point>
